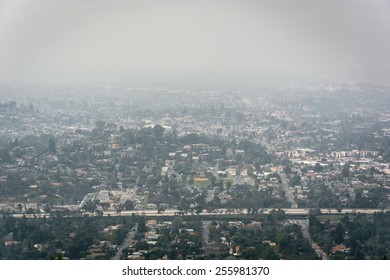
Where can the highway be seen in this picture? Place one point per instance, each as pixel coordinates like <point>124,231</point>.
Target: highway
<point>217,212</point>
<point>230,212</point>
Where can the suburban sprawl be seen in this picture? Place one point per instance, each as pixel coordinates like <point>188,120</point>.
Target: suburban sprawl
<point>117,172</point>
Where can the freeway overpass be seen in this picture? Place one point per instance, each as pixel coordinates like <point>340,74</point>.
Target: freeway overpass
<point>217,212</point>
<point>225,211</point>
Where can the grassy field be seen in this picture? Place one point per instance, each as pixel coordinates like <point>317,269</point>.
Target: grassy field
<point>201,181</point>
<point>225,180</point>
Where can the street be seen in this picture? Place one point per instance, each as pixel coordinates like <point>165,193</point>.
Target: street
<point>306,234</point>
<point>287,189</point>
<point>126,243</point>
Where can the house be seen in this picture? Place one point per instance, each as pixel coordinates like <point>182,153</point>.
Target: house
<point>231,171</point>
<point>136,256</point>
<point>340,248</point>
<point>270,243</point>
<point>151,206</point>
<point>254,225</point>
<point>11,243</point>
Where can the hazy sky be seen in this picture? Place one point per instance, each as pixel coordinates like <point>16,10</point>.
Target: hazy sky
<point>96,40</point>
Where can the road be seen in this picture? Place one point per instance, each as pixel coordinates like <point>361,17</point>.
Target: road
<point>217,212</point>
<point>126,243</point>
<point>306,234</point>
<point>226,211</point>
<point>287,189</point>
<point>205,231</point>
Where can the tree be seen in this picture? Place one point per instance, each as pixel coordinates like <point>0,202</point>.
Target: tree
<point>160,210</point>
<point>89,206</point>
<point>100,124</point>
<point>177,223</point>
<point>20,207</point>
<point>128,205</point>
<point>229,184</point>
<point>118,209</point>
<point>4,156</point>
<point>287,169</point>
<point>339,234</point>
<point>52,146</point>
<point>141,228</point>
<point>163,240</point>
<point>318,167</point>
<point>198,209</point>
<point>141,245</point>
<point>250,253</point>
<point>212,178</point>
<point>345,170</point>
<point>158,131</point>
<point>295,181</point>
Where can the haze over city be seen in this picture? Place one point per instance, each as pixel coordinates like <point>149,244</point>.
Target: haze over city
<point>191,41</point>
<point>207,130</point>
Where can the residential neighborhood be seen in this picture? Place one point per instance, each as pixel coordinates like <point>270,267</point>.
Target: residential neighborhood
<point>192,152</point>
